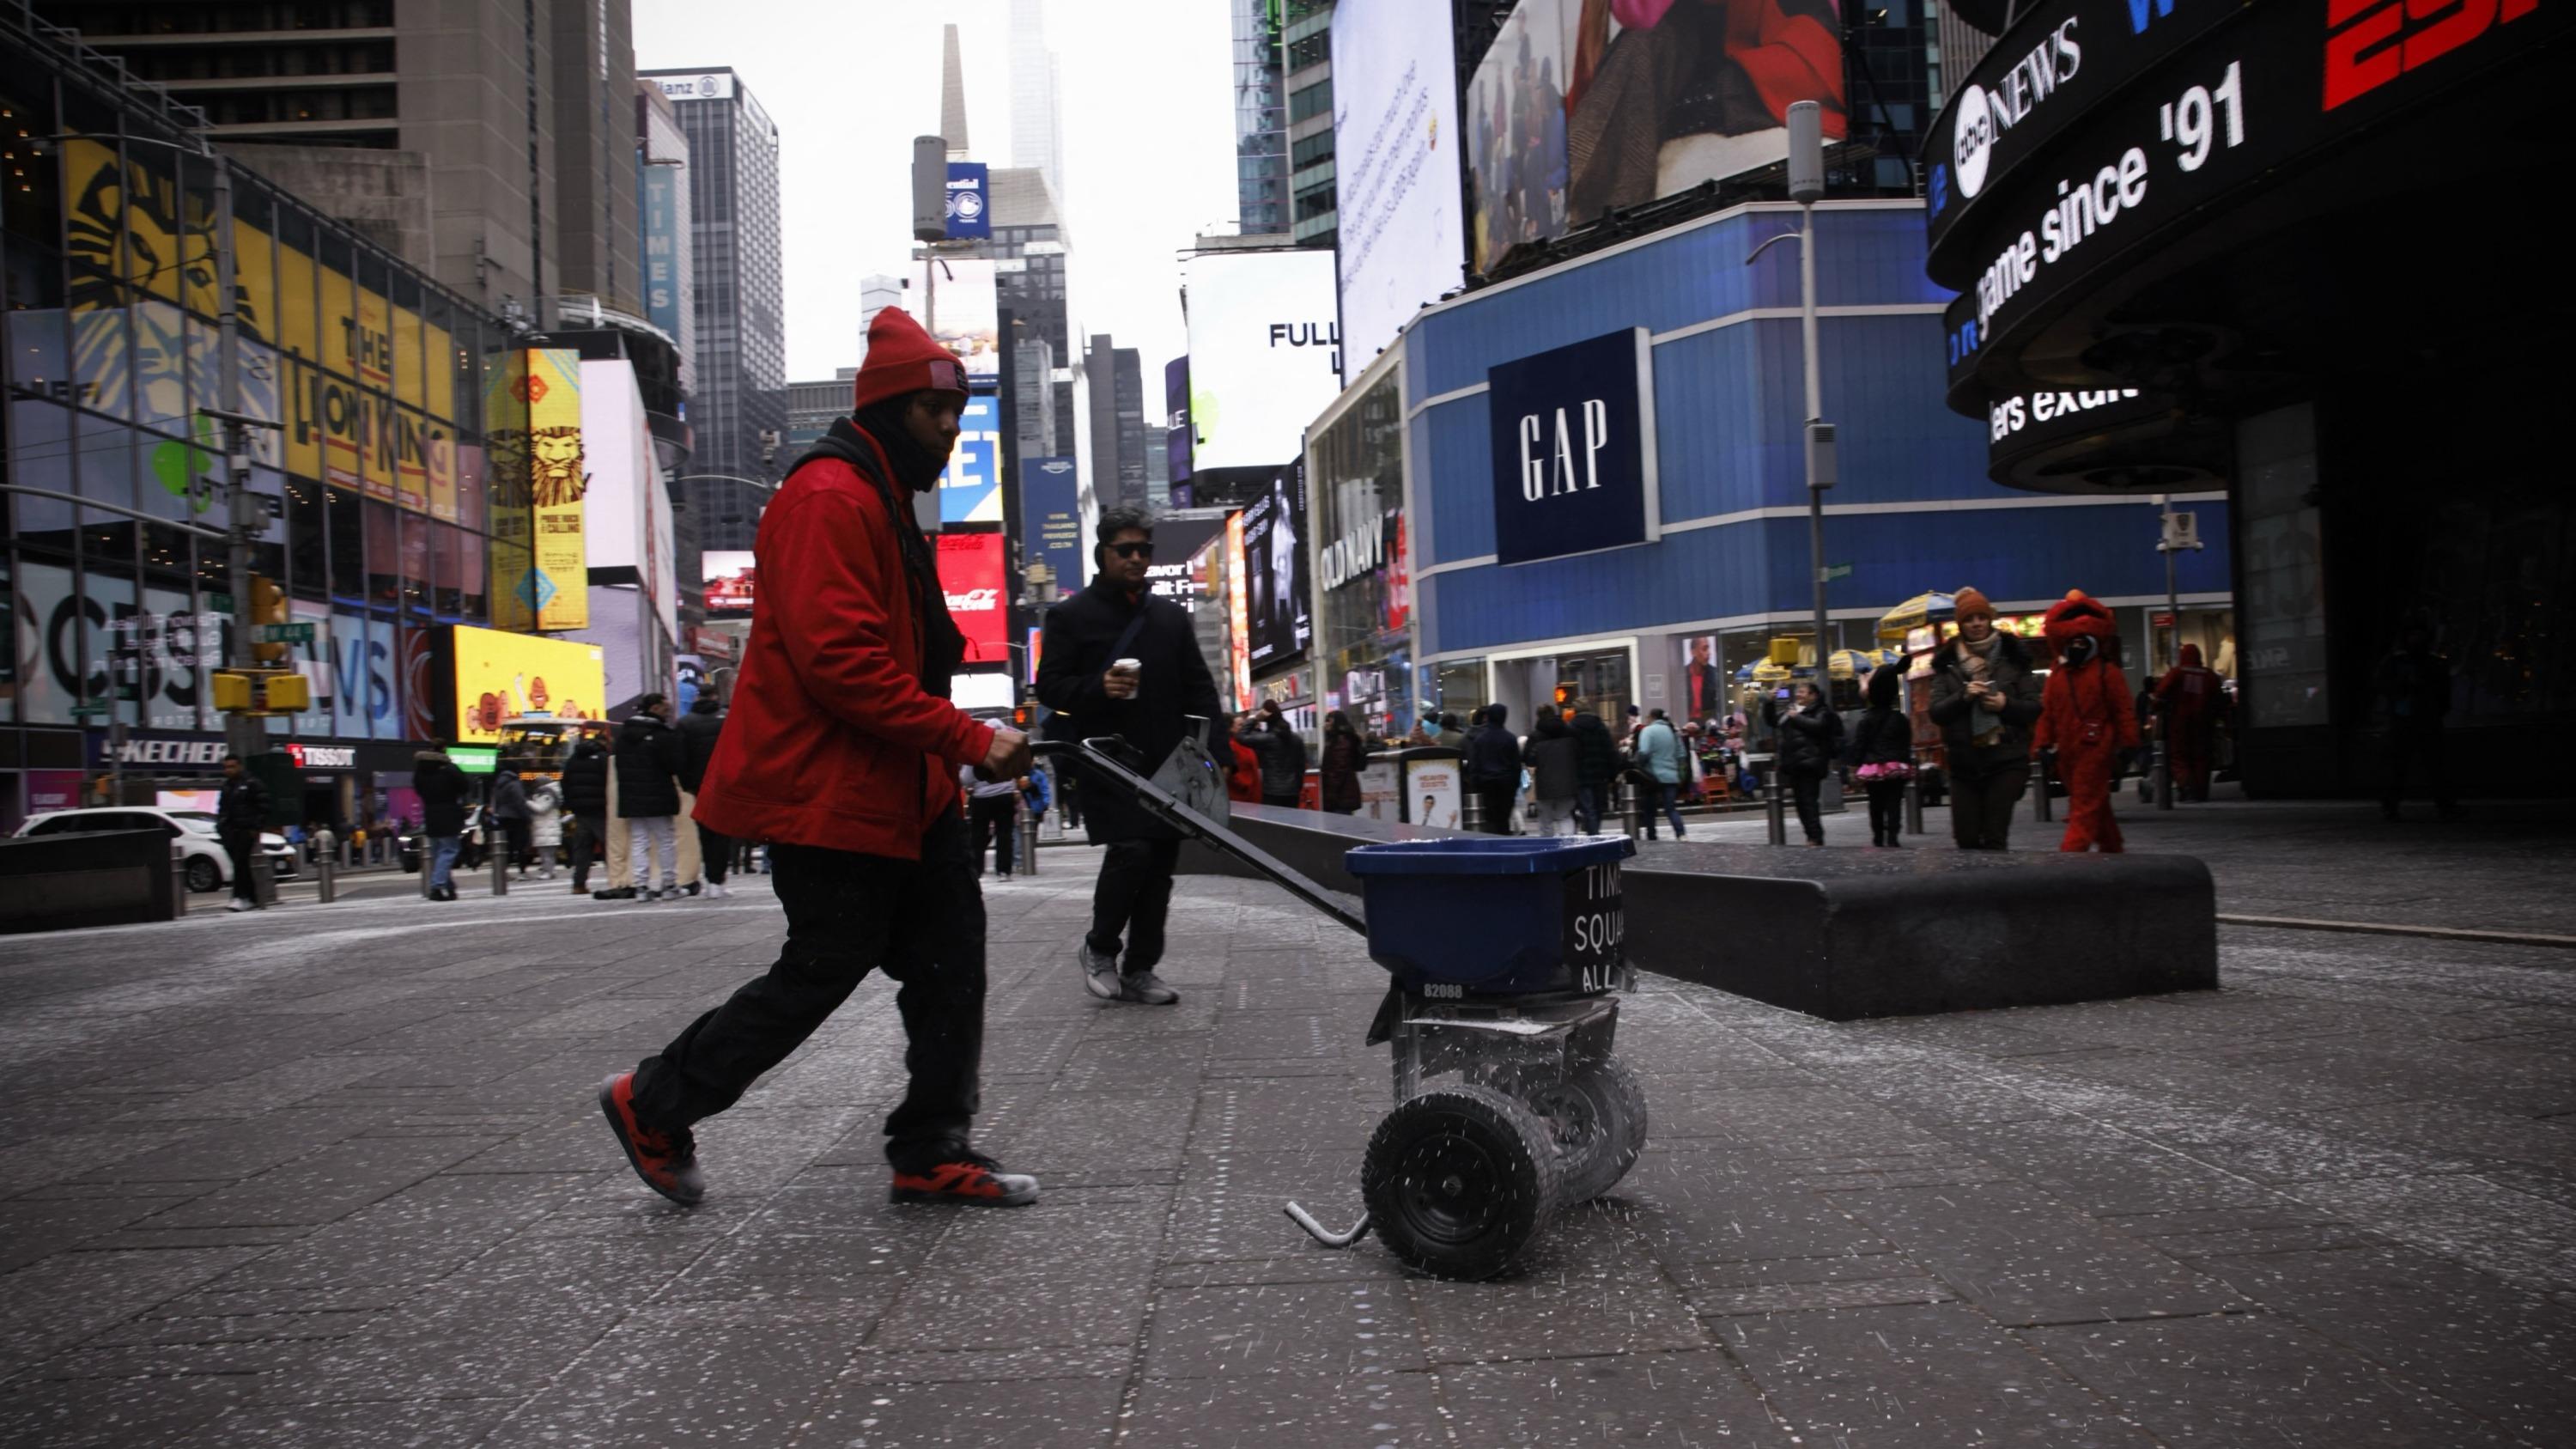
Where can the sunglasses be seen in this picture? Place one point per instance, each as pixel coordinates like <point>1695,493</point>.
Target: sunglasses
<point>1132,550</point>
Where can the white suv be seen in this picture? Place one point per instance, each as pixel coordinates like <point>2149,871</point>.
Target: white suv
<point>208,869</point>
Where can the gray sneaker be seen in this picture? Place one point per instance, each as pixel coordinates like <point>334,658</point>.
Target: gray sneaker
<point>1099,972</point>
<point>1147,988</point>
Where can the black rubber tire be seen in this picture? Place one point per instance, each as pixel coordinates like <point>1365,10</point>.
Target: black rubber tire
<point>204,875</point>
<point>1459,1180</point>
<point>1597,1118</point>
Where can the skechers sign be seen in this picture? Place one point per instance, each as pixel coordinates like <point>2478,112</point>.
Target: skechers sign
<point>1574,449</point>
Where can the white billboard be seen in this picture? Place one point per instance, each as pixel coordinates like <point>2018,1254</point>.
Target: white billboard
<point>955,302</point>
<point>1265,354</point>
<point>626,510</point>
<point>1395,141</point>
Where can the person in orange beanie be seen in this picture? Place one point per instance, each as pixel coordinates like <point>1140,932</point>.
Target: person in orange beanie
<point>2086,716</point>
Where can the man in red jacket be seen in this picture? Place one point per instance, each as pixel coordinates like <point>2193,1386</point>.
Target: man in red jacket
<point>842,752</point>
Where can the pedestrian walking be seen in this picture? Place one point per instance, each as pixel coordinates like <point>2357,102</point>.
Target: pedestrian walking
<point>648,795</point>
<point>699,730</point>
<point>1243,773</point>
<point>1811,739</point>
<point>241,813</point>
<point>992,818</point>
<point>1881,752</point>
<point>839,752</point>
<point>1658,774</point>
<point>1118,659</point>
<point>2192,697</point>
<point>1283,762</point>
<point>2085,719</point>
<point>2414,683</point>
<point>545,825</point>
<point>1985,699</point>
<point>441,788</point>
<point>1337,769</point>
<point>585,799</point>
<point>1555,760</point>
<point>1494,768</point>
<point>510,815</point>
<point>1597,766</point>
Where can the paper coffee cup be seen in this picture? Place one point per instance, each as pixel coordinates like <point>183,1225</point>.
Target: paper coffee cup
<point>1130,666</point>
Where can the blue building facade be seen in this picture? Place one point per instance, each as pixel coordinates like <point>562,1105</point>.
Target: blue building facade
<point>1728,572</point>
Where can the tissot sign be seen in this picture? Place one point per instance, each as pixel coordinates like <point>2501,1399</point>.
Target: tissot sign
<point>1574,449</point>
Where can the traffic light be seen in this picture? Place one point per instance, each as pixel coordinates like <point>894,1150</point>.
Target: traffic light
<point>262,691</point>
<point>267,606</point>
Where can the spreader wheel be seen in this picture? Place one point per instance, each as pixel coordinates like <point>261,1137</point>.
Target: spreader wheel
<point>1597,1117</point>
<point>1459,1179</point>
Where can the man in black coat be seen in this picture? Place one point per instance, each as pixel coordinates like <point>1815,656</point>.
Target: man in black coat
<point>1118,620</point>
<point>699,729</point>
<point>1494,769</point>
<point>585,799</point>
<point>241,812</point>
<point>1283,757</point>
<point>441,788</point>
<point>648,794</point>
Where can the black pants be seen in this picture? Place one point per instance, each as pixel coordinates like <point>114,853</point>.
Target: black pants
<point>1494,802</point>
<point>990,819</point>
<point>516,833</point>
<point>2407,747</point>
<point>1804,793</point>
<point>241,849</point>
<point>715,855</point>
<point>1886,811</point>
<point>1981,807</point>
<point>1284,802</point>
<point>921,922</point>
<point>1587,807</point>
<point>1132,900</point>
<point>588,837</point>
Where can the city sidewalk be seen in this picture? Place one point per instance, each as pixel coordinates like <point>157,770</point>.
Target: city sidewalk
<point>333,1175</point>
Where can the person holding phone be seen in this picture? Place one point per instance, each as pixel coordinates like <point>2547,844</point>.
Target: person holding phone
<point>1119,659</point>
<point>1985,699</point>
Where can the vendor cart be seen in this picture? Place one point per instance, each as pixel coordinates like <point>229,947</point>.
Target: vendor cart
<point>1506,967</point>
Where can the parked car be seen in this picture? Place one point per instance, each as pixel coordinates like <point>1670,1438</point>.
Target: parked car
<point>208,868</point>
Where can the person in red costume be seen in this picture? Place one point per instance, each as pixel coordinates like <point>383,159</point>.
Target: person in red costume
<point>2191,697</point>
<point>2086,716</point>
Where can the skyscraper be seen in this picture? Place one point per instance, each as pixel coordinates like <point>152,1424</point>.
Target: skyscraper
<point>1307,65</point>
<point>1260,119</point>
<point>483,141</point>
<point>1037,124</point>
<point>738,409</point>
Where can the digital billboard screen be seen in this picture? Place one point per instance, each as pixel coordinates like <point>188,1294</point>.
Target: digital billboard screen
<point>1651,98</point>
<point>1276,612</point>
<point>729,575</point>
<point>955,302</point>
<point>1395,140</point>
<point>970,574</point>
<point>1265,354</point>
<point>971,490</point>
<point>500,675</point>
<point>1051,520</point>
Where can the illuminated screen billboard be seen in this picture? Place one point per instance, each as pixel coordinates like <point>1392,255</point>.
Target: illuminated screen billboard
<point>1395,142</point>
<point>970,574</point>
<point>1275,607</point>
<point>728,575</point>
<point>1582,105</point>
<point>955,302</point>
<point>971,490</point>
<point>1265,354</point>
<point>498,675</point>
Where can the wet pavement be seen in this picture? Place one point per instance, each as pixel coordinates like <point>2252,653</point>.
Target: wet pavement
<point>333,1175</point>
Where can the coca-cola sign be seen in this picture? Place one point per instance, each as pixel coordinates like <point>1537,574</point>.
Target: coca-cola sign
<point>970,574</point>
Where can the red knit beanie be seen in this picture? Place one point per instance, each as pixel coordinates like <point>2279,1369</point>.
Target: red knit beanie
<point>902,358</point>
<point>1962,603</point>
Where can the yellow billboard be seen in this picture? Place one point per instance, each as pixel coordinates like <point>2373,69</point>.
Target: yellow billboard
<point>499,675</point>
<point>558,479</point>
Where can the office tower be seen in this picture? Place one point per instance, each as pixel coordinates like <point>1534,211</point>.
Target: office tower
<point>1260,119</point>
<point>483,141</point>
<point>1307,41</point>
<point>738,409</point>
<point>670,282</point>
<point>1037,123</point>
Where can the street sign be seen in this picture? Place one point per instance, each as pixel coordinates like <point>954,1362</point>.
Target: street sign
<point>89,707</point>
<point>2164,621</point>
<point>220,603</point>
<point>1837,571</point>
<point>285,634</point>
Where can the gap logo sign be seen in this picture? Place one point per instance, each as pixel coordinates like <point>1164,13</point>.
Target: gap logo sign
<point>1574,449</point>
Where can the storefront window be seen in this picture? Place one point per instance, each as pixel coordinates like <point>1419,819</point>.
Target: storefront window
<point>40,456</point>
<point>31,203</point>
<point>1363,593</point>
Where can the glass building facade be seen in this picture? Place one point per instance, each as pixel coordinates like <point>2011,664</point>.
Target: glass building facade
<point>388,519</point>
<point>1260,118</point>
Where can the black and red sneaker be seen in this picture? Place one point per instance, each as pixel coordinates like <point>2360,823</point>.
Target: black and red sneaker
<point>967,1177</point>
<point>667,1161</point>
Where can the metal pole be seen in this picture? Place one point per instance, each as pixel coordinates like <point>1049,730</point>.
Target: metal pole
<point>326,861</point>
<point>1815,414</point>
<point>2173,650</point>
<point>243,735</point>
<point>1028,840</point>
<point>178,881</point>
<point>1774,792</point>
<point>1914,803</point>
<point>2039,806</point>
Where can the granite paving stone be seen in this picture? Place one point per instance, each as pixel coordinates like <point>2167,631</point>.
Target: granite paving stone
<point>339,1179</point>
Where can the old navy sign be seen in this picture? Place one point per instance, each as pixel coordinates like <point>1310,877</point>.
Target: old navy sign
<point>1574,449</point>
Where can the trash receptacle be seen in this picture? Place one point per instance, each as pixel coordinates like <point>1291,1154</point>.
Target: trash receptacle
<point>1494,915</point>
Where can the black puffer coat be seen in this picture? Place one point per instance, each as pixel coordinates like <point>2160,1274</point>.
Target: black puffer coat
<point>1598,762</point>
<point>648,768</point>
<point>1952,710</point>
<point>698,731</point>
<point>585,780</point>
<point>441,788</point>
<point>1081,640</point>
<point>1810,739</point>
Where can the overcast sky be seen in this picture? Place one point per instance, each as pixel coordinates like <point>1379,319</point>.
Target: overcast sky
<point>1147,103</point>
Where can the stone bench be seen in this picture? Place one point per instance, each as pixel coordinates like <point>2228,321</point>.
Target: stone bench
<point>1843,934</point>
<point>102,878</point>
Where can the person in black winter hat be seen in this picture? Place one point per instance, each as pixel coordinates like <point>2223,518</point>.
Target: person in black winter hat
<point>585,799</point>
<point>648,794</point>
<point>699,730</point>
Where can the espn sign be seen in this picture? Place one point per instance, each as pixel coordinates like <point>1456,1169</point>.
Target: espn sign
<point>2370,43</point>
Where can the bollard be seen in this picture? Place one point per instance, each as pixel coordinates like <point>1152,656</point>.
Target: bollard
<point>501,870</point>
<point>1914,802</point>
<point>326,860</point>
<point>428,856</point>
<point>2040,809</point>
<point>263,879</point>
<point>178,882</point>
<point>1471,813</point>
<point>1775,797</point>
<point>2164,775</point>
<point>1628,810</point>
<point>1028,841</point>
